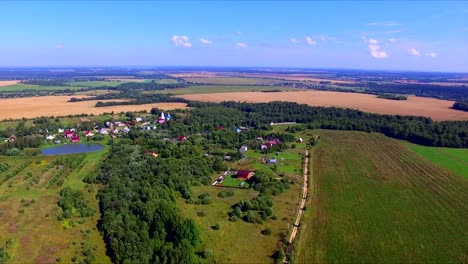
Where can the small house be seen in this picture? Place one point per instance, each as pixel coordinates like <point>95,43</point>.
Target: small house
<point>243,149</point>
<point>68,134</point>
<point>227,158</point>
<point>103,131</point>
<point>126,129</point>
<point>89,134</point>
<point>50,137</point>
<point>182,138</point>
<point>219,128</point>
<point>61,130</point>
<point>263,147</point>
<point>75,138</point>
<point>244,174</point>
<point>300,140</point>
<point>139,119</point>
<point>272,161</point>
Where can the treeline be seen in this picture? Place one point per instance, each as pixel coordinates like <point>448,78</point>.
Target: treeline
<point>461,105</point>
<point>425,90</point>
<point>46,82</point>
<point>147,86</point>
<point>419,130</point>
<point>392,97</point>
<point>144,99</point>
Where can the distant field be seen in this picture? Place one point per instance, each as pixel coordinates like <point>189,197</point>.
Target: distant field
<point>297,77</point>
<point>21,86</point>
<point>420,106</point>
<point>94,83</point>
<point>230,80</point>
<point>31,226</point>
<point>164,81</point>
<point>455,160</point>
<point>58,106</point>
<point>374,200</point>
<point>8,83</point>
<point>206,89</point>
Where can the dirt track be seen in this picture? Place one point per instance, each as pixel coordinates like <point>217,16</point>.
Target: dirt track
<point>438,110</point>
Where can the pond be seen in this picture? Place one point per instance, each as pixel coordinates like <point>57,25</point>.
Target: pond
<point>72,149</point>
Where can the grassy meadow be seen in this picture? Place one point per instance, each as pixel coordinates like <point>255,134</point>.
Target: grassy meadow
<point>372,199</point>
<point>29,214</point>
<point>455,160</point>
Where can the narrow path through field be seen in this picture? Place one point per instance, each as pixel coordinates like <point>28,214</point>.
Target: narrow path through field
<point>301,207</point>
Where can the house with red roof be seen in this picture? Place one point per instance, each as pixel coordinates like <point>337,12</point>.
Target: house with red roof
<point>244,174</point>
<point>68,134</point>
<point>76,138</point>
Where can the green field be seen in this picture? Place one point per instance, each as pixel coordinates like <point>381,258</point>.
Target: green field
<point>374,200</point>
<point>234,241</point>
<point>21,86</point>
<point>29,191</point>
<point>94,83</point>
<point>231,80</point>
<point>203,89</point>
<point>455,160</point>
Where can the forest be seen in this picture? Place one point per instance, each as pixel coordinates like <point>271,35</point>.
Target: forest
<point>461,105</point>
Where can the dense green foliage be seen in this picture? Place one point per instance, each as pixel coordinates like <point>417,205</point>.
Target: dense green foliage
<point>46,82</point>
<point>461,105</point>
<point>138,204</point>
<point>71,200</point>
<point>419,130</point>
<point>392,97</point>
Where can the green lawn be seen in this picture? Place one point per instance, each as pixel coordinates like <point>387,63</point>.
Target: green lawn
<point>202,89</point>
<point>455,160</point>
<point>233,181</point>
<point>373,199</point>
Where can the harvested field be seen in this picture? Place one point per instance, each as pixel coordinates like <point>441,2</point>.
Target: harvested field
<point>58,106</point>
<point>420,106</point>
<point>432,83</point>
<point>373,199</point>
<point>6,83</point>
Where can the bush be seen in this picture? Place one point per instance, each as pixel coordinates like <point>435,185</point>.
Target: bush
<point>216,226</point>
<point>206,200</point>
<point>201,213</point>
<point>233,218</point>
<point>267,232</point>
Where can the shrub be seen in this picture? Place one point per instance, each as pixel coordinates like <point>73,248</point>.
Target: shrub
<point>201,213</point>
<point>216,226</point>
<point>233,218</point>
<point>206,200</point>
<point>267,232</point>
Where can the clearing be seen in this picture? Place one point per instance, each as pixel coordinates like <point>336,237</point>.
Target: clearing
<point>373,199</point>
<point>438,110</point>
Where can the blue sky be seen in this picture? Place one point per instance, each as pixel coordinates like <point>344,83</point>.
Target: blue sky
<point>409,35</point>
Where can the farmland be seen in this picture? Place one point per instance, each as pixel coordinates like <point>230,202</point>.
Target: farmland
<point>373,199</point>
<point>230,80</point>
<point>455,160</point>
<point>222,89</point>
<point>21,86</point>
<point>436,109</point>
<point>30,221</point>
<point>59,106</point>
<point>8,83</point>
<point>94,83</point>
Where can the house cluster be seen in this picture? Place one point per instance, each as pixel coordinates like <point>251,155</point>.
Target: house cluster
<point>110,128</point>
<point>268,142</point>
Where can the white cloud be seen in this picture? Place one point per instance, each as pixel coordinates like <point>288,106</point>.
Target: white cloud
<point>392,40</point>
<point>295,41</point>
<point>374,48</point>
<point>393,31</point>
<point>241,45</point>
<point>181,41</point>
<point>431,54</point>
<point>384,23</point>
<point>59,46</point>
<point>310,41</point>
<point>205,41</point>
<point>413,52</point>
